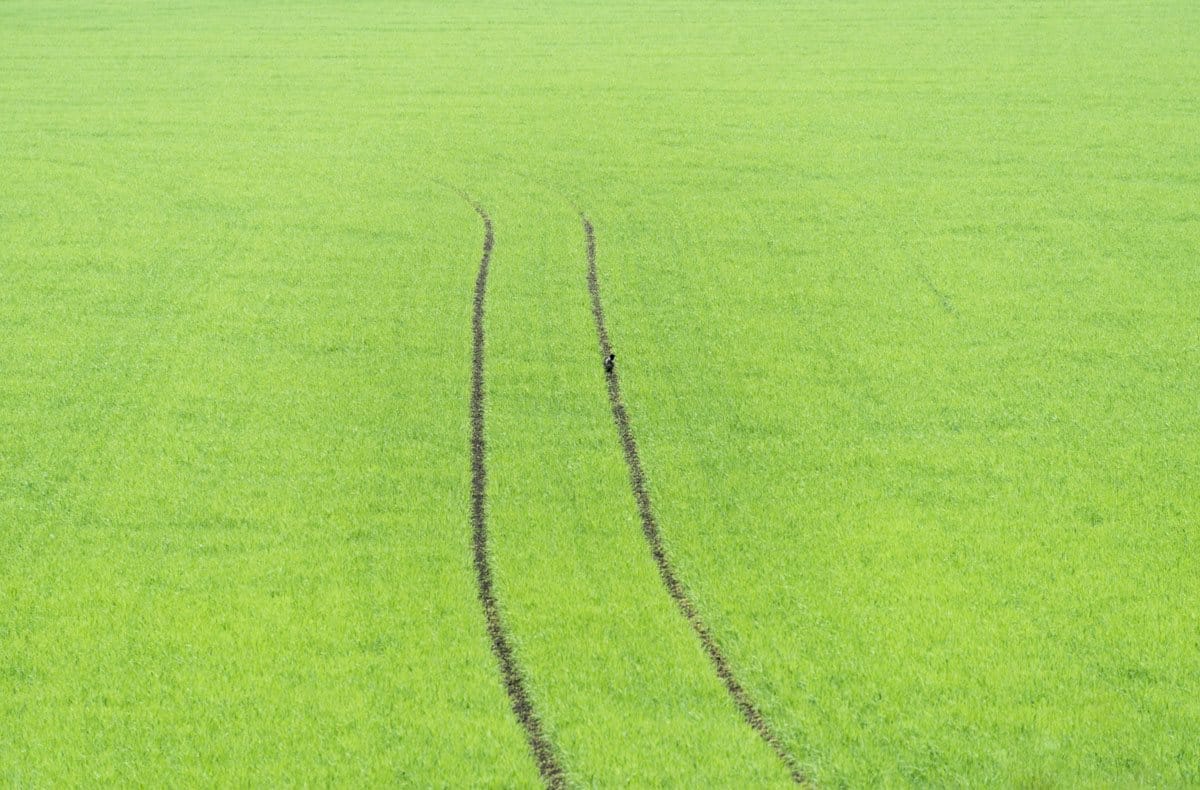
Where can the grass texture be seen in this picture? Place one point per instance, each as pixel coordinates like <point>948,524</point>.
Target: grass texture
<point>903,297</point>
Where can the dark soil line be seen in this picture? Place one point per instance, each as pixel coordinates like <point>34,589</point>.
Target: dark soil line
<point>637,482</point>
<point>514,680</point>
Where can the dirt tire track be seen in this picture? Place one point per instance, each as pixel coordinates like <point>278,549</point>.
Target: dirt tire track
<point>670,580</point>
<point>543,750</point>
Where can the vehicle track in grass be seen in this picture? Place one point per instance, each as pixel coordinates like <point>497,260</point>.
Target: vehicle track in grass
<point>666,570</point>
<point>943,299</point>
<point>543,750</point>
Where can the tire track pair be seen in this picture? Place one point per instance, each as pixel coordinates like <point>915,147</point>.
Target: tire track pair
<point>544,753</point>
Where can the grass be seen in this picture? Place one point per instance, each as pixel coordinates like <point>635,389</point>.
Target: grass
<point>903,299</point>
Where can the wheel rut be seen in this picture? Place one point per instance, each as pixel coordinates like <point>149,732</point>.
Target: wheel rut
<point>543,750</point>
<point>650,530</point>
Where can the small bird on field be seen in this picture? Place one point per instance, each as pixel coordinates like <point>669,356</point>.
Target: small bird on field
<point>609,361</point>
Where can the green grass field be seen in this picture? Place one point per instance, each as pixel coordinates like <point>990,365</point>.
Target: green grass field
<point>905,303</point>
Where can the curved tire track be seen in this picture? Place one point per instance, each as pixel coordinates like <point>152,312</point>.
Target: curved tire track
<point>514,679</point>
<point>666,571</point>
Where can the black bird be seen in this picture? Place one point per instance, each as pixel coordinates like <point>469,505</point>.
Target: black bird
<point>609,361</point>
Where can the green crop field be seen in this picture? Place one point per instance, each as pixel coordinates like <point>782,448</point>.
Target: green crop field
<point>895,479</point>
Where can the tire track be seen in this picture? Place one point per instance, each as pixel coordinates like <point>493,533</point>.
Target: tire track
<point>666,571</point>
<point>943,299</point>
<point>510,670</point>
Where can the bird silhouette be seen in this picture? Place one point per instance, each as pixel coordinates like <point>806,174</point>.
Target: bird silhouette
<point>609,361</point>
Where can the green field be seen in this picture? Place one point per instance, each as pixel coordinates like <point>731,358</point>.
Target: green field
<point>905,298</point>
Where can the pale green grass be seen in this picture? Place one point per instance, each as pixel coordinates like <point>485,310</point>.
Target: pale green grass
<point>904,298</point>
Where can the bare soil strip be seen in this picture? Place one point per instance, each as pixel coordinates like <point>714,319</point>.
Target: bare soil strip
<point>670,580</point>
<point>514,680</point>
